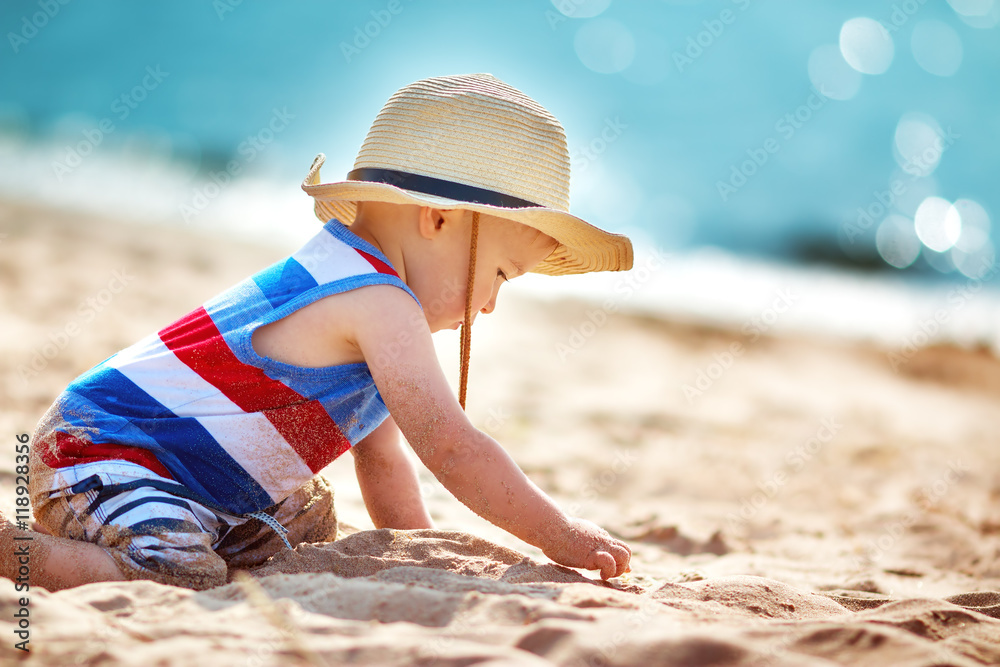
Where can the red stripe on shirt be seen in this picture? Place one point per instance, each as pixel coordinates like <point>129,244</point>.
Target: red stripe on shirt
<point>378,264</point>
<point>70,451</point>
<point>305,425</point>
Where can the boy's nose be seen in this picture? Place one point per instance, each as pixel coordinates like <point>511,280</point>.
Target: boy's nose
<point>491,304</point>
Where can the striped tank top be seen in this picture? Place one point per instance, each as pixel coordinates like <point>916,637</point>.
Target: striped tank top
<point>196,404</point>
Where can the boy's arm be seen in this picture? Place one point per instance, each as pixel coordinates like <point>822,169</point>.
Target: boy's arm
<point>393,335</point>
<point>388,480</point>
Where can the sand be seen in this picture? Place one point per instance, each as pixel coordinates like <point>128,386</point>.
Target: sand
<point>810,507</point>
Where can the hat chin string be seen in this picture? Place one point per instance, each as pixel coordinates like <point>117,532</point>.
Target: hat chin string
<point>467,324</point>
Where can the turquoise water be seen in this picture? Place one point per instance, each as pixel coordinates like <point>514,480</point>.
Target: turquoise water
<point>738,124</point>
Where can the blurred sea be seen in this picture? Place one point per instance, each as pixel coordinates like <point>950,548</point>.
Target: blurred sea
<point>838,156</point>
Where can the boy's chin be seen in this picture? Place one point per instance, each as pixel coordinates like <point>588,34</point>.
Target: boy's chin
<point>443,326</point>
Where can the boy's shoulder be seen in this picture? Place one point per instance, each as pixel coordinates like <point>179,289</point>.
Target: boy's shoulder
<point>369,307</point>
<point>344,328</point>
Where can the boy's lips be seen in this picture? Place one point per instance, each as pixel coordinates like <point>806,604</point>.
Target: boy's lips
<point>455,325</point>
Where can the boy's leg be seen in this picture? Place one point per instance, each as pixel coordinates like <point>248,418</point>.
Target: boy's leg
<point>150,533</point>
<point>61,562</point>
<point>132,515</point>
<point>308,514</point>
<point>55,563</point>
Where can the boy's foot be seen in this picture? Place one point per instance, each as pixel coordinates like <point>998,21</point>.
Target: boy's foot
<point>51,562</point>
<point>8,559</point>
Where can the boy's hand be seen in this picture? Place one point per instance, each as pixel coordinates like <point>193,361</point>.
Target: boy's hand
<point>587,546</point>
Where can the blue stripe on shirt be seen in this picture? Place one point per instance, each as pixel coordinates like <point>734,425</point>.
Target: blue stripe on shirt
<point>182,444</point>
<point>282,281</point>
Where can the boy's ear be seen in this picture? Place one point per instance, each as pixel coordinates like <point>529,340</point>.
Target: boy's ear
<point>430,221</point>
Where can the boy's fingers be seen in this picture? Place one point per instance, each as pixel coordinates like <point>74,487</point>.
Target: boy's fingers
<point>605,562</point>
<point>622,556</point>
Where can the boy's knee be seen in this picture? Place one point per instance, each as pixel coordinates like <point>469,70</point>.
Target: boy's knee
<point>311,513</point>
<point>167,551</point>
<point>308,514</point>
<point>194,566</point>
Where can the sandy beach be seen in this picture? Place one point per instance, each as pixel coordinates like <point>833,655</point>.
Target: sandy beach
<point>796,503</point>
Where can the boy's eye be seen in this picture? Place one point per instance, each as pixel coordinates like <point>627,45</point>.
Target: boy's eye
<point>502,274</point>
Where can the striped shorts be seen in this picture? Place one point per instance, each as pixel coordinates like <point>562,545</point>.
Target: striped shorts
<point>155,530</point>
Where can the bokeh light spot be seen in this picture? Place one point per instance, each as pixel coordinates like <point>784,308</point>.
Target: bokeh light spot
<point>975,225</point>
<point>985,21</point>
<point>936,47</point>
<point>975,264</point>
<point>866,45</point>
<point>938,224</point>
<point>972,7</point>
<point>897,242</point>
<point>830,73</point>
<point>918,144</point>
<point>604,45</point>
<point>983,14</point>
<point>939,261</point>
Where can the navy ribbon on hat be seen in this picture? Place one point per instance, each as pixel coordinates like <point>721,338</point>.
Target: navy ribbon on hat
<point>439,187</point>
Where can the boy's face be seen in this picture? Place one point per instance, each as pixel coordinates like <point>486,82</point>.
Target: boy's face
<point>505,250</point>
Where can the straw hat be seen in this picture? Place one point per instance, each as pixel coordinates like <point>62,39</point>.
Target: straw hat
<point>473,142</point>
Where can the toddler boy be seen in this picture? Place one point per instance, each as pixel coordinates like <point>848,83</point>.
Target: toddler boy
<point>196,450</point>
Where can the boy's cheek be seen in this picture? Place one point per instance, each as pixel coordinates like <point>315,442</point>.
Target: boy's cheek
<point>443,307</point>
<point>442,321</point>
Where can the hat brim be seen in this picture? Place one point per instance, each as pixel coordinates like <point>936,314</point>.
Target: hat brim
<point>582,248</point>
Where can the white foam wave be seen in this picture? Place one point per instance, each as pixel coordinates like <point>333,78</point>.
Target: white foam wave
<point>706,285</point>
